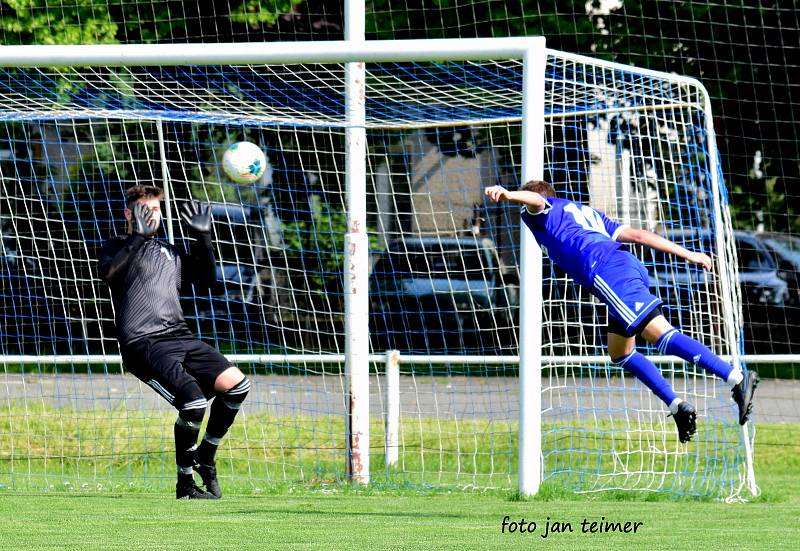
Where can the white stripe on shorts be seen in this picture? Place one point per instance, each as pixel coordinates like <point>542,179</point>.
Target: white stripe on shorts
<point>202,403</point>
<point>624,312</point>
<point>155,385</point>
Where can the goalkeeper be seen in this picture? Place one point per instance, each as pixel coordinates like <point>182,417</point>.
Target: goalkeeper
<point>587,245</point>
<point>145,276</point>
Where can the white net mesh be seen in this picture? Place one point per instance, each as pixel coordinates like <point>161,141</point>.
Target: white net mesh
<point>444,278</point>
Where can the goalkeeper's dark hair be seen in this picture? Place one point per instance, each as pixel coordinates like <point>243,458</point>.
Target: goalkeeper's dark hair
<point>133,194</point>
<point>539,186</point>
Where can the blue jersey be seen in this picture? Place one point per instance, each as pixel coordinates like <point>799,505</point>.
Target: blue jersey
<point>577,237</point>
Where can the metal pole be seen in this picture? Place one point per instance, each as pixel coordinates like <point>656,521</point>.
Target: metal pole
<point>165,182</point>
<point>392,438</point>
<point>530,310</point>
<point>356,255</point>
<point>132,55</point>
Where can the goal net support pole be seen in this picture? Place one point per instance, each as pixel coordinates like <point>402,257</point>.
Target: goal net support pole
<point>356,256</point>
<point>530,313</point>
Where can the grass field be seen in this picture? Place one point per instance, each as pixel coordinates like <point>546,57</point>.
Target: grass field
<point>317,521</point>
<point>337,516</point>
<point>44,448</point>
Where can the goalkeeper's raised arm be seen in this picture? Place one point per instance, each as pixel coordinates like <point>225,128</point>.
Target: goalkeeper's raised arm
<point>199,265</point>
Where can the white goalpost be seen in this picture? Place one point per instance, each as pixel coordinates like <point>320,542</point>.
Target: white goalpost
<point>371,235</point>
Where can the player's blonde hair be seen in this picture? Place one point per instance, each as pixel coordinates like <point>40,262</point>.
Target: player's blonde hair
<point>539,186</point>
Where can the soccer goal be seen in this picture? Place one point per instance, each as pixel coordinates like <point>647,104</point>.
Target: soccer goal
<point>397,329</point>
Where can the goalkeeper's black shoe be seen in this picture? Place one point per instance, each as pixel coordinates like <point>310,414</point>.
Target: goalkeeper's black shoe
<point>209,475</point>
<point>743,395</point>
<point>685,419</point>
<point>187,489</point>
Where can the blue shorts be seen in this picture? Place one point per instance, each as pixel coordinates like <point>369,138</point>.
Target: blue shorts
<point>622,283</point>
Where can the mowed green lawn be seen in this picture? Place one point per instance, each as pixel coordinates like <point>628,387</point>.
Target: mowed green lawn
<point>341,517</point>
<point>318,521</point>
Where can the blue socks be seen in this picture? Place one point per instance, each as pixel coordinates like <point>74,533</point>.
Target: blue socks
<point>675,343</point>
<point>649,374</point>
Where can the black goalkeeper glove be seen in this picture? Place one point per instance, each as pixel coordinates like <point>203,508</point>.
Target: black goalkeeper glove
<point>197,216</point>
<point>143,223</point>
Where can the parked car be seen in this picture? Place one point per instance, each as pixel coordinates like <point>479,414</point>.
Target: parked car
<point>26,322</point>
<point>438,294</point>
<point>785,250</point>
<point>231,309</point>
<point>764,294</point>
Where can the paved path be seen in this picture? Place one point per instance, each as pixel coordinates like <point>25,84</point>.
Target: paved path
<point>453,398</point>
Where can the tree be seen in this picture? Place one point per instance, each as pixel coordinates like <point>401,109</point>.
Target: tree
<point>49,22</point>
<point>741,53</point>
<point>739,50</point>
<point>103,22</point>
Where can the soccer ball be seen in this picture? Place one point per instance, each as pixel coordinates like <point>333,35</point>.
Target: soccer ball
<point>244,162</point>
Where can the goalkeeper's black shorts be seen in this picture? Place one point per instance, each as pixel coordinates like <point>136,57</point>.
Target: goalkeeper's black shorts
<point>174,364</point>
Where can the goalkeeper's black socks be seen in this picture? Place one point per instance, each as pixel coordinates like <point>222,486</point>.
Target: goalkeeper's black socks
<point>223,411</point>
<point>187,427</point>
<point>207,450</point>
<point>206,467</point>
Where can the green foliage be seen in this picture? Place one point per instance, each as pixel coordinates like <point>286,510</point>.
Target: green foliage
<point>123,152</point>
<point>763,202</point>
<point>222,192</point>
<point>114,21</point>
<point>259,12</point>
<point>316,245</point>
<point>490,18</point>
<point>56,22</point>
<point>694,38</point>
<point>739,50</point>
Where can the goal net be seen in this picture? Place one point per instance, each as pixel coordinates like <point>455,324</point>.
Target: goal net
<point>444,272</point>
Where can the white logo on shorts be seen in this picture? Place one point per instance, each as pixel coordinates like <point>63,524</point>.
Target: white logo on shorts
<point>639,306</point>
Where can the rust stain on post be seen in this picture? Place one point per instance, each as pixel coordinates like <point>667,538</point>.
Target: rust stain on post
<point>355,449</point>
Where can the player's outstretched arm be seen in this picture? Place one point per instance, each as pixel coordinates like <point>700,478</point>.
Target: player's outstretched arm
<point>116,255</point>
<point>534,201</point>
<point>655,241</point>
<point>200,265</point>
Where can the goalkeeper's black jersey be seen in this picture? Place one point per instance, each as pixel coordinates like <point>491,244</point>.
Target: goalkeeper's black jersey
<point>145,277</point>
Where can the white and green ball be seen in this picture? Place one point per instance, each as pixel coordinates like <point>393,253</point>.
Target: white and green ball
<point>244,162</point>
